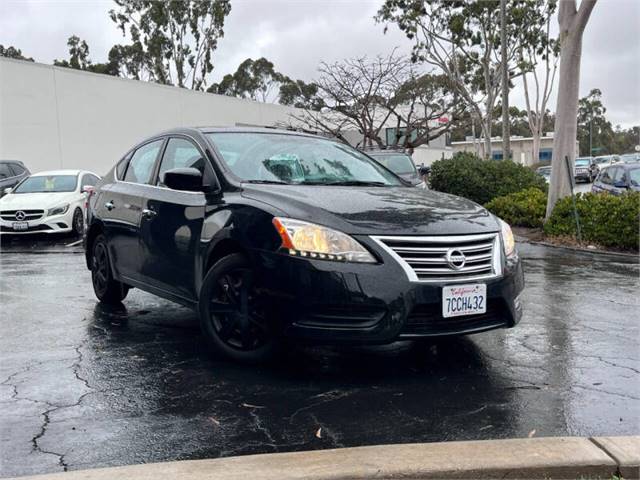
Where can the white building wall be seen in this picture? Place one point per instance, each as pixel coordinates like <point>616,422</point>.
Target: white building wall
<point>53,117</point>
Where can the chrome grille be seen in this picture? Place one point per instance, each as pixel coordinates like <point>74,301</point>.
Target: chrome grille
<point>458,258</point>
<point>10,215</point>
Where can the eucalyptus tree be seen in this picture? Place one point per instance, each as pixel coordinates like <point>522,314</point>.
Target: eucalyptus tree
<point>539,64</point>
<point>253,79</point>
<point>13,52</point>
<point>177,38</point>
<point>572,23</point>
<point>461,38</point>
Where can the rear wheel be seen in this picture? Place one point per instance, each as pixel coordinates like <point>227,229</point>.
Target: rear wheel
<point>105,287</point>
<point>233,318</point>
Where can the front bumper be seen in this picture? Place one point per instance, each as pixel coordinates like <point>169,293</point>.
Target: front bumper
<point>331,302</point>
<point>54,224</point>
<point>586,176</point>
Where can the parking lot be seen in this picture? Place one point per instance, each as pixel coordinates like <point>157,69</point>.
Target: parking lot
<point>85,386</point>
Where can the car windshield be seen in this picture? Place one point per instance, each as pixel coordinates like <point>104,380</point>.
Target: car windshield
<point>295,159</point>
<point>630,157</point>
<point>399,163</point>
<point>48,184</point>
<point>634,176</point>
<point>582,162</point>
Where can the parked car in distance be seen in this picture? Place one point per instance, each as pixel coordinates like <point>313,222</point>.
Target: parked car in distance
<point>586,169</point>
<point>47,202</point>
<point>544,172</point>
<point>618,179</point>
<point>271,234</point>
<point>399,163</point>
<point>606,160</point>
<point>630,157</point>
<point>11,173</point>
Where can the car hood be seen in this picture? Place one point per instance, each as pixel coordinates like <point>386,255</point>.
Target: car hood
<point>377,210</point>
<point>36,201</point>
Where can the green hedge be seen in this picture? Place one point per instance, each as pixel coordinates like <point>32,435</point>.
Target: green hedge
<point>608,220</point>
<point>523,209</point>
<point>482,180</point>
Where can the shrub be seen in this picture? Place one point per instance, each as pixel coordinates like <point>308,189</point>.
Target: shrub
<point>524,209</point>
<point>608,220</point>
<point>482,180</point>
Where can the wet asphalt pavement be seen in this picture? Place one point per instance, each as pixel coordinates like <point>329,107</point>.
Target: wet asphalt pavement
<point>85,386</point>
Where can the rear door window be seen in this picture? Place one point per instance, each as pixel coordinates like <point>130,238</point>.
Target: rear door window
<point>5,171</point>
<point>142,162</point>
<point>17,169</point>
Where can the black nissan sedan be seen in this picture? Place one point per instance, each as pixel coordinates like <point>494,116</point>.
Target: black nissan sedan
<point>272,234</point>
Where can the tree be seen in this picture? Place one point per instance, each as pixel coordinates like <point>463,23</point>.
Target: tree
<point>254,79</point>
<point>595,133</point>
<point>78,54</point>
<point>572,23</point>
<point>300,94</point>
<point>542,52</point>
<point>175,37</point>
<point>12,52</point>
<point>79,59</point>
<point>357,94</point>
<point>423,109</point>
<point>368,96</point>
<point>462,40</point>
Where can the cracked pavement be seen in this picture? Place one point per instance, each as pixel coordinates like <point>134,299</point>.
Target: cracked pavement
<point>86,386</point>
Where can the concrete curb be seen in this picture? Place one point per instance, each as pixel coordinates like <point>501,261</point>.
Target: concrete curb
<point>543,458</point>
<point>596,251</point>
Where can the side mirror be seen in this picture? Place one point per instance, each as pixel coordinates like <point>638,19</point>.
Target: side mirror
<point>620,184</point>
<point>88,189</point>
<point>186,179</point>
<point>7,190</point>
<point>424,170</point>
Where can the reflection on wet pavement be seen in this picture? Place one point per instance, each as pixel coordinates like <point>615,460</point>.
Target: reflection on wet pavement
<point>87,386</point>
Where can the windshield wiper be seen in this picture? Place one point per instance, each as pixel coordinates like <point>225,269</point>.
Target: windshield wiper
<point>273,182</point>
<point>356,183</point>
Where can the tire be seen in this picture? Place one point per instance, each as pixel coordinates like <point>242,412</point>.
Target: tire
<point>77,224</point>
<point>107,289</point>
<point>232,318</point>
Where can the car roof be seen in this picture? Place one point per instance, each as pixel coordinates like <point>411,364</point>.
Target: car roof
<point>373,153</point>
<point>248,129</point>
<point>49,173</point>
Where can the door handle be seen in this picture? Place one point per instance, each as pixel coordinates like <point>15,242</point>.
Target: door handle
<point>109,206</point>
<point>147,213</point>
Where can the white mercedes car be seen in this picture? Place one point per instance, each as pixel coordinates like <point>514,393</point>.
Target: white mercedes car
<point>47,202</point>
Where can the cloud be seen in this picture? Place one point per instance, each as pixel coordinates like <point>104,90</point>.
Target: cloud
<point>297,34</point>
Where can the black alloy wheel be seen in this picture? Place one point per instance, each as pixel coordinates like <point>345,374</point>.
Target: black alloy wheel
<point>78,222</point>
<point>233,316</point>
<point>105,287</point>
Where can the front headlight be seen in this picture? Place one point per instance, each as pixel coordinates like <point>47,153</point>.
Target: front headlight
<point>61,210</point>
<point>507,238</point>
<point>304,239</point>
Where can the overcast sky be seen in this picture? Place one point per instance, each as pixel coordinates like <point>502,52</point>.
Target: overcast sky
<point>297,34</point>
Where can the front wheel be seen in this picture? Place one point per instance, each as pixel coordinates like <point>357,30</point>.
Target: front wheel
<point>78,222</point>
<point>233,317</point>
<point>107,289</point>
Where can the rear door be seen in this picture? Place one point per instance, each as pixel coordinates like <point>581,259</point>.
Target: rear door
<point>120,207</point>
<point>172,223</point>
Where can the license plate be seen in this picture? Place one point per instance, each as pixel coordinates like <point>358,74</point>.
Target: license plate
<point>20,226</point>
<point>461,300</point>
